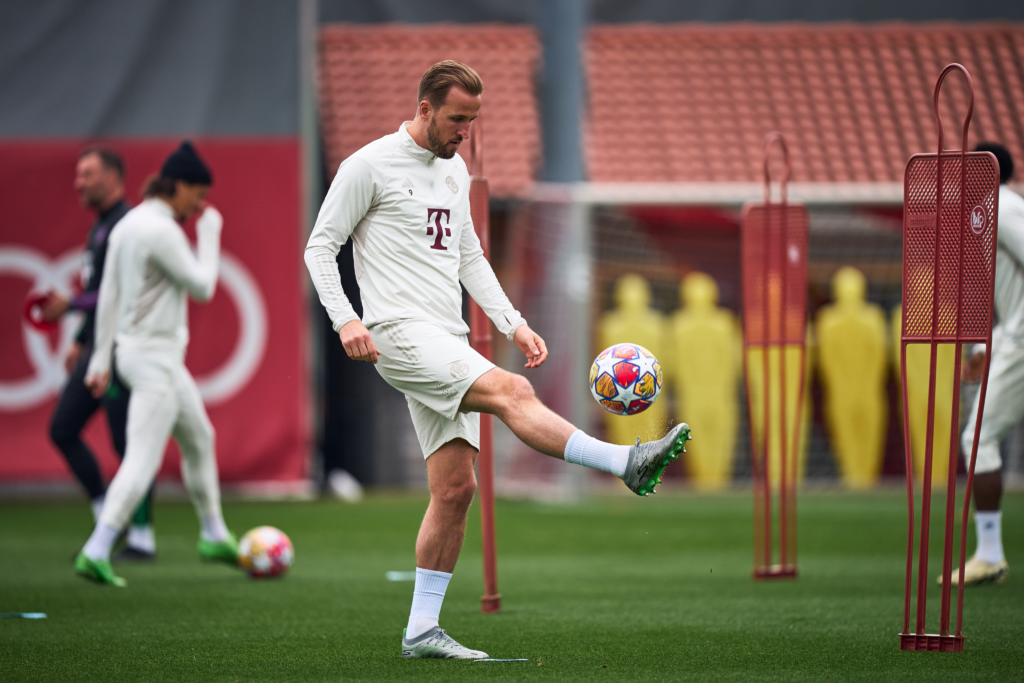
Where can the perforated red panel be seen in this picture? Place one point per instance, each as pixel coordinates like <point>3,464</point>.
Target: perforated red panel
<point>975,227</point>
<point>774,259</point>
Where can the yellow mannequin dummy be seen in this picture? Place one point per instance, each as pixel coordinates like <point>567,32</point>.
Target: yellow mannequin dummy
<point>755,389</point>
<point>704,365</point>
<point>918,361</point>
<point>853,365</point>
<point>634,321</point>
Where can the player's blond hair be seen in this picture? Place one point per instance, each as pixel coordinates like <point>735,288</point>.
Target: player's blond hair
<point>440,78</point>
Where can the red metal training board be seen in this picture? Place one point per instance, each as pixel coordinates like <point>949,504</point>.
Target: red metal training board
<point>950,207</point>
<point>774,259</point>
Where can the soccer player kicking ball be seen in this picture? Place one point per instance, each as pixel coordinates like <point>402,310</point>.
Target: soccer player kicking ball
<point>1004,404</point>
<point>150,269</point>
<point>404,201</point>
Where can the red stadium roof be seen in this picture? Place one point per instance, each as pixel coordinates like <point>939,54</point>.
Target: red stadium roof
<point>369,75</point>
<point>692,103</point>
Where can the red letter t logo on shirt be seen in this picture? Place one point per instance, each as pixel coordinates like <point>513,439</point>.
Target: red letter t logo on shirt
<point>446,232</point>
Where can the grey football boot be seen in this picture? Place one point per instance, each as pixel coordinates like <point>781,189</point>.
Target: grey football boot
<point>436,644</point>
<point>648,460</point>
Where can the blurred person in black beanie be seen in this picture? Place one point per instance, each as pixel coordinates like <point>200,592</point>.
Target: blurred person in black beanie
<point>152,271</point>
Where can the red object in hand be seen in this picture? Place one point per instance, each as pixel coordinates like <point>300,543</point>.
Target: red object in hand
<point>34,313</point>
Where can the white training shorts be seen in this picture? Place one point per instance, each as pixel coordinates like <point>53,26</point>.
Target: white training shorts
<point>1004,407</point>
<point>434,369</point>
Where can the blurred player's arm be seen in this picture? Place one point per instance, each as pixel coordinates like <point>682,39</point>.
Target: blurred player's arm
<point>479,280</point>
<point>352,193</point>
<point>97,375</point>
<point>197,273</point>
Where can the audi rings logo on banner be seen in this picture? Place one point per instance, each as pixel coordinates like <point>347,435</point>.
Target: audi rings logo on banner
<point>58,274</point>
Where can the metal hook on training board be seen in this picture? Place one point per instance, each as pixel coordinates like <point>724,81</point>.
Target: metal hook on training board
<point>970,106</point>
<point>775,136</point>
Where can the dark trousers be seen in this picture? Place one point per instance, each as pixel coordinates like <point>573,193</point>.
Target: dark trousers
<point>75,407</point>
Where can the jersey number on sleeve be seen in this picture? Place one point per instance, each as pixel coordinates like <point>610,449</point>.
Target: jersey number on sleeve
<point>436,214</point>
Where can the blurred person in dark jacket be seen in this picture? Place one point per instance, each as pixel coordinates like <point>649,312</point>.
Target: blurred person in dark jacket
<point>99,182</point>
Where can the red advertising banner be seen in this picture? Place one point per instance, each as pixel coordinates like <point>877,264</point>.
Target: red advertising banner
<point>247,347</point>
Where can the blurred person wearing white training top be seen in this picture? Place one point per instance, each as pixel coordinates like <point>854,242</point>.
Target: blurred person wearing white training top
<point>404,202</point>
<point>1004,402</point>
<point>142,318</point>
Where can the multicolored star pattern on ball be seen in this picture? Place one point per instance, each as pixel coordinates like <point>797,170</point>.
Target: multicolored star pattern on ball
<point>626,379</point>
<point>265,552</point>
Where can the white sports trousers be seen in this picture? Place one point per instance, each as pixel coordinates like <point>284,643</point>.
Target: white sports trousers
<point>165,401</point>
<point>1004,402</point>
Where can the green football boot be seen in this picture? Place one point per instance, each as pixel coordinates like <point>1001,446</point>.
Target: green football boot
<point>225,551</point>
<point>99,571</point>
<point>648,460</point>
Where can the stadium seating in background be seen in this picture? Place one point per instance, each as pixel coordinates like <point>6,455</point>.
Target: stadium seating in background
<point>368,77</point>
<point>853,100</point>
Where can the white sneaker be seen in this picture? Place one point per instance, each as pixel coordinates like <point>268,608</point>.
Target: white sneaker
<point>978,571</point>
<point>343,485</point>
<point>436,644</point>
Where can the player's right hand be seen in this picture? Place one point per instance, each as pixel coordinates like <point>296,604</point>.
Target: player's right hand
<point>209,218</point>
<point>357,342</point>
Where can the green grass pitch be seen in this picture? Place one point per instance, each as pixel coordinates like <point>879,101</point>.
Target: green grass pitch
<point>614,588</point>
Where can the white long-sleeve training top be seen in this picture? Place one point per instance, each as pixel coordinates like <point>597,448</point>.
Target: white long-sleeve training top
<point>407,212</point>
<point>1009,284</point>
<point>148,273</point>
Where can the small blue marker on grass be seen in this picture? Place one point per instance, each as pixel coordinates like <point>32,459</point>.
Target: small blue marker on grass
<point>23,615</point>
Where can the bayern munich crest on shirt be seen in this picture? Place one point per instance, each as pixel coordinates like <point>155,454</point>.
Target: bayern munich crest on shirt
<point>460,370</point>
<point>452,185</point>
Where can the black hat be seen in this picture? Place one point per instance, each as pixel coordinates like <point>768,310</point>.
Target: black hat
<point>184,164</point>
<point>1002,156</point>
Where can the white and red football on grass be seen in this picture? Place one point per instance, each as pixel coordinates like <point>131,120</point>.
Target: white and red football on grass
<point>626,379</point>
<point>265,552</point>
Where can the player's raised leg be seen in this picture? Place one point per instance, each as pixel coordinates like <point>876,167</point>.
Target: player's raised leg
<point>1004,408</point>
<point>511,398</point>
<point>452,485</point>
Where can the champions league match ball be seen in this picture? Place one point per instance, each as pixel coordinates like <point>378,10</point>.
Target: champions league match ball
<point>265,552</point>
<point>626,379</point>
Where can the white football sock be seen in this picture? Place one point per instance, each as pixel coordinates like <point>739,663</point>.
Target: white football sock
<point>589,452</point>
<point>142,538</point>
<point>427,597</point>
<point>101,542</point>
<point>214,528</point>
<point>990,536</point>
<point>97,507</point>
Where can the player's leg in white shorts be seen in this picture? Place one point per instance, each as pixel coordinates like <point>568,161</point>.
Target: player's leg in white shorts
<point>434,369</point>
<point>1004,407</point>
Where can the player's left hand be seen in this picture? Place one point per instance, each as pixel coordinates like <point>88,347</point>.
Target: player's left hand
<point>532,346</point>
<point>98,383</point>
<point>54,307</point>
